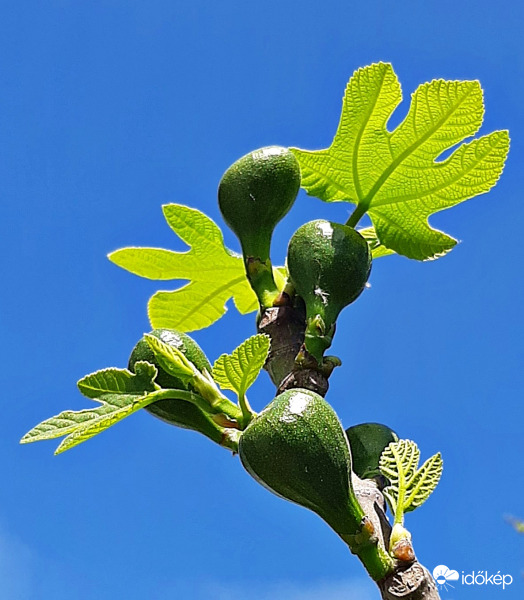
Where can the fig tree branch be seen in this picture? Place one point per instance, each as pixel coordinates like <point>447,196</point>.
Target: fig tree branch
<point>285,325</point>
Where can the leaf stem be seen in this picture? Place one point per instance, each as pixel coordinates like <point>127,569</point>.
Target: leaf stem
<point>399,508</point>
<point>356,215</point>
<point>247,411</point>
<point>221,405</point>
<point>174,394</point>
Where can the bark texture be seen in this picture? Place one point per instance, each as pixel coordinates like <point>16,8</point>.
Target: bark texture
<point>285,325</point>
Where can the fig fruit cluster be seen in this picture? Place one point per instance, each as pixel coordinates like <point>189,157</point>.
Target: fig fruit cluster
<point>328,263</point>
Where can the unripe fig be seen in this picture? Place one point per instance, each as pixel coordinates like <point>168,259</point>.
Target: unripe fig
<point>367,442</point>
<point>255,193</point>
<point>297,448</point>
<point>177,339</point>
<point>329,265</point>
<point>174,411</point>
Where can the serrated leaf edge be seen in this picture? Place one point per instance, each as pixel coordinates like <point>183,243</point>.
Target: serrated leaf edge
<point>229,362</point>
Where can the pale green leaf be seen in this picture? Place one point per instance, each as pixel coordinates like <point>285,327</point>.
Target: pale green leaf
<point>171,359</point>
<point>102,422</point>
<point>119,381</point>
<point>64,423</point>
<point>84,424</point>
<point>377,249</point>
<point>424,482</point>
<point>409,487</point>
<point>280,274</point>
<point>214,273</point>
<point>119,392</point>
<point>238,371</point>
<point>396,176</point>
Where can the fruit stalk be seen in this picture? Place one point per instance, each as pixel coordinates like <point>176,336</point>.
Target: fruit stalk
<point>260,276</point>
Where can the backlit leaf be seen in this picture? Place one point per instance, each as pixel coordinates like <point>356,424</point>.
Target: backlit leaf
<point>171,359</point>
<point>397,177</point>
<point>118,381</point>
<point>214,273</point>
<point>119,392</point>
<point>239,370</point>
<point>409,486</point>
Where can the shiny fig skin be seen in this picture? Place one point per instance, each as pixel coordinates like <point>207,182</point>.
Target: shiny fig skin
<point>255,193</point>
<point>175,411</point>
<point>296,447</point>
<point>329,265</point>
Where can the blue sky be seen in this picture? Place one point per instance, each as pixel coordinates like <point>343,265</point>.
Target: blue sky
<point>109,109</point>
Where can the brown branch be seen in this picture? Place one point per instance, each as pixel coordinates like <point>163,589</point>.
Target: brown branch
<point>285,325</point>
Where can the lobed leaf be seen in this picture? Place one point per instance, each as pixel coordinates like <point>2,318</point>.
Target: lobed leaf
<point>118,381</point>
<point>215,274</point>
<point>238,371</point>
<point>409,486</point>
<point>81,425</point>
<point>119,392</point>
<point>103,421</point>
<point>396,176</point>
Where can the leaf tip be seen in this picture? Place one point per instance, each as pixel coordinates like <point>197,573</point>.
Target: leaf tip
<point>113,256</point>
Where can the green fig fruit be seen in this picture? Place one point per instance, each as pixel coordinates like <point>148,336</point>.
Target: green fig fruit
<point>296,447</point>
<point>329,265</point>
<point>177,339</point>
<point>367,442</point>
<point>174,411</point>
<point>254,194</point>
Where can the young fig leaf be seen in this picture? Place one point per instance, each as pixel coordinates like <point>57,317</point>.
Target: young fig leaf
<point>178,366</point>
<point>396,177</point>
<point>238,371</point>
<point>171,359</point>
<point>378,250</point>
<point>410,486</point>
<point>118,381</point>
<point>119,393</point>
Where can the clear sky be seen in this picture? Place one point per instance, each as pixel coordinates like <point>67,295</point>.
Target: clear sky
<point>109,109</point>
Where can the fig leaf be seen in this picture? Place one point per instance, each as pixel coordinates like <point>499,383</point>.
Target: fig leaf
<point>238,371</point>
<point>396,177</point>
<point>120,394</point>
<point>214,272</point>
<point>410,486</point>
